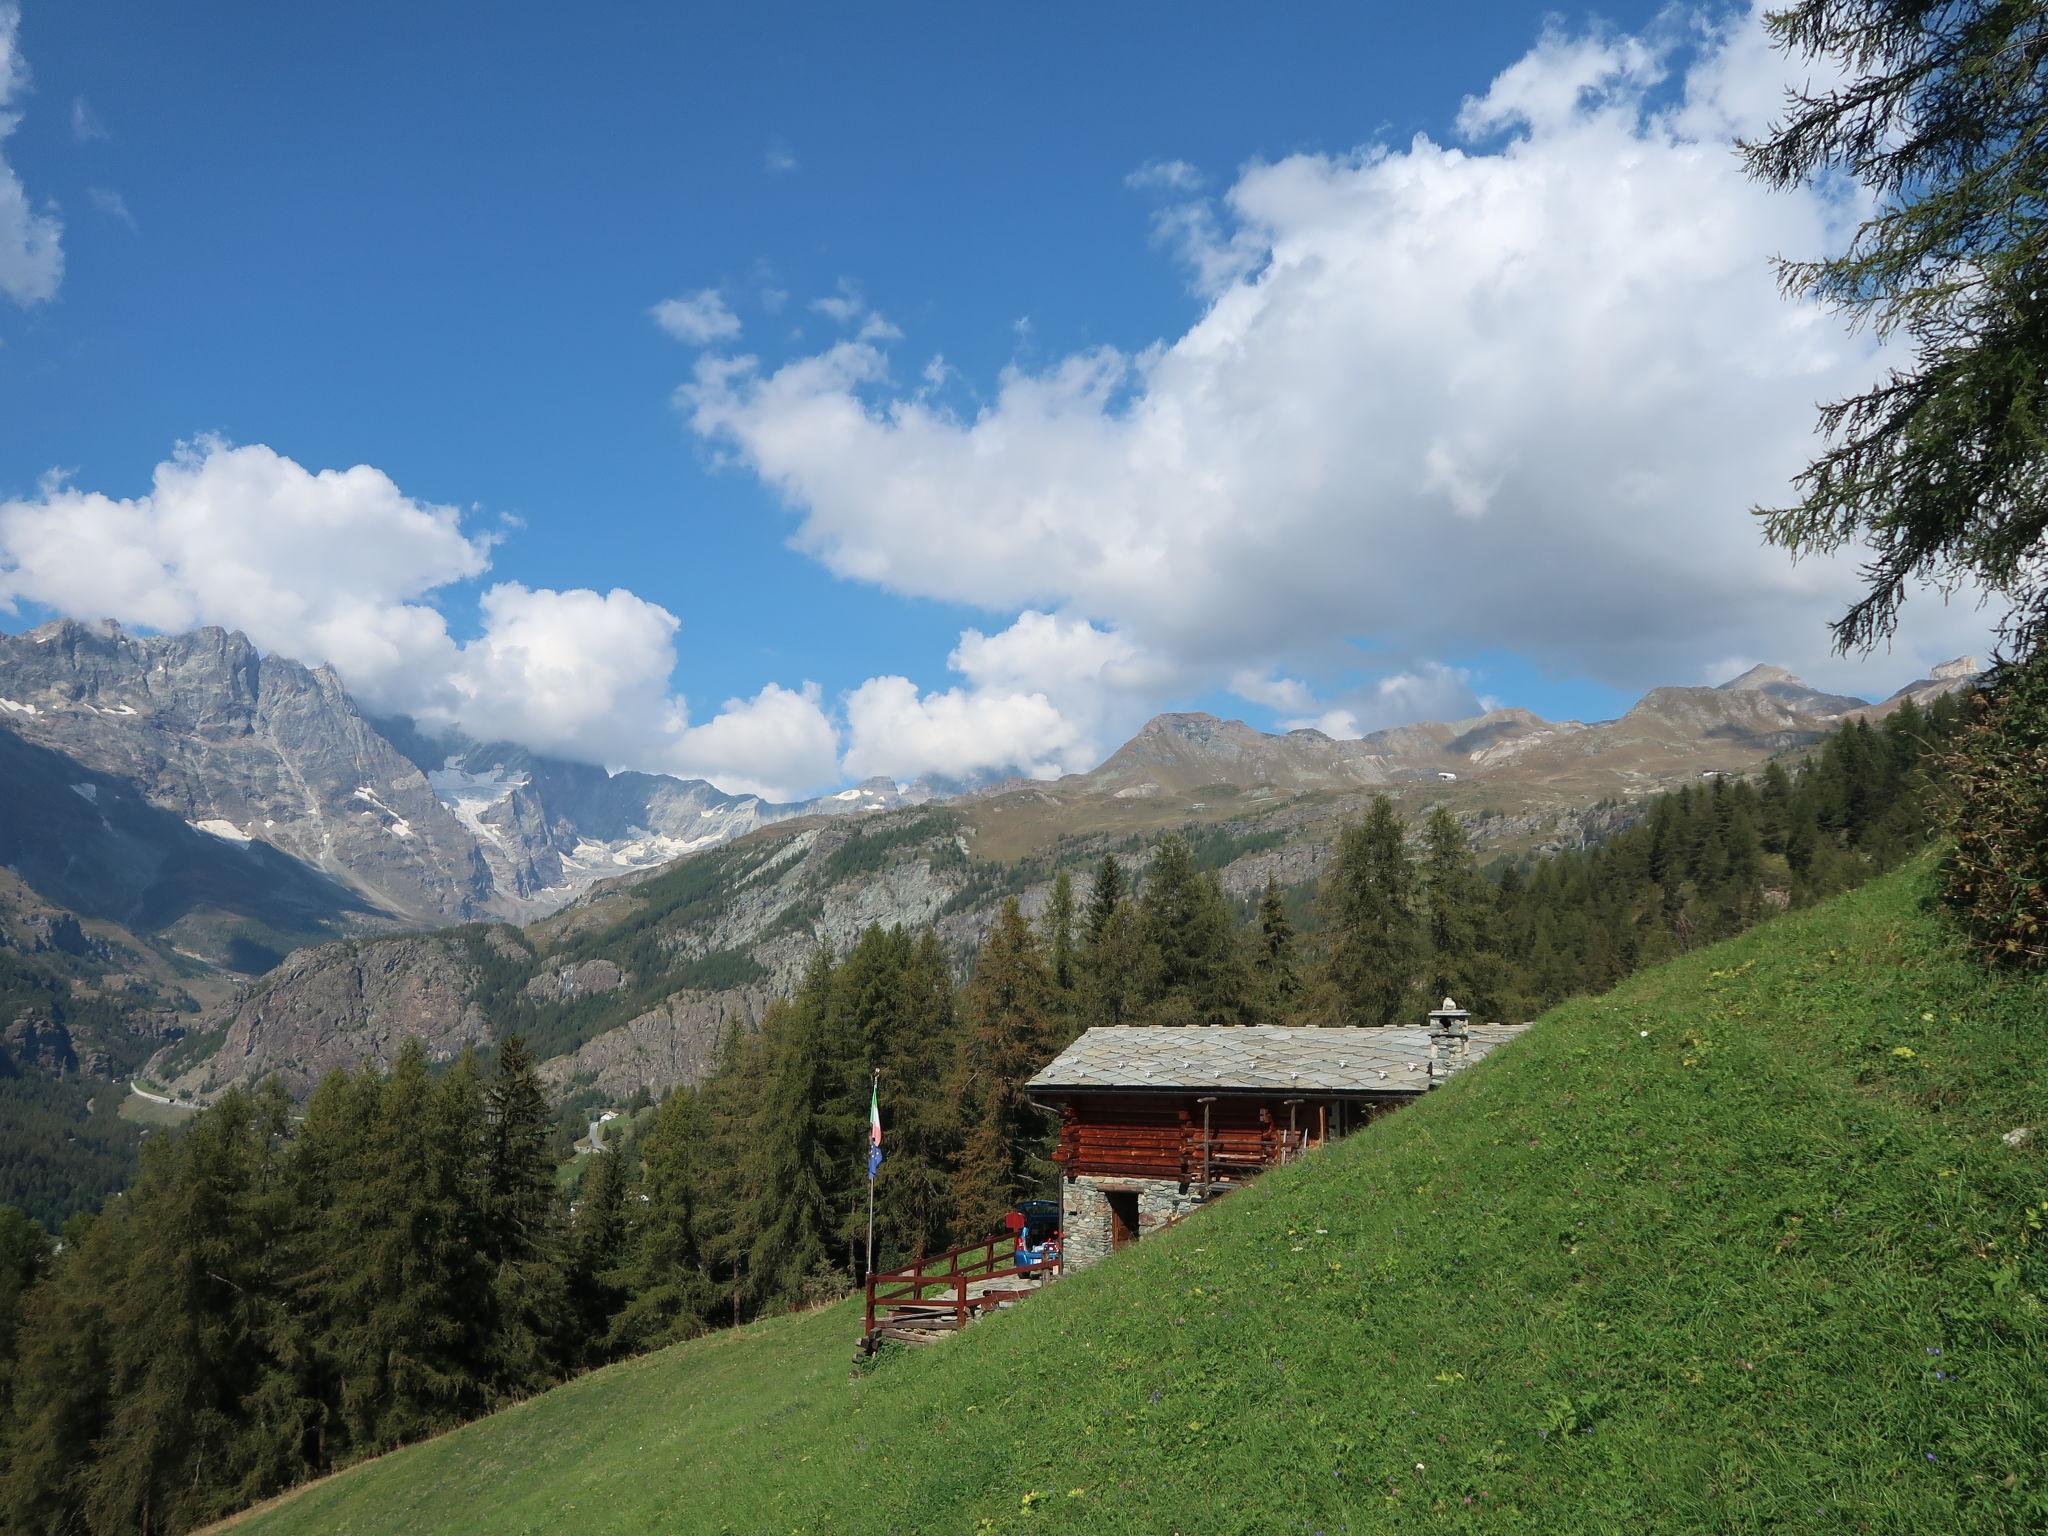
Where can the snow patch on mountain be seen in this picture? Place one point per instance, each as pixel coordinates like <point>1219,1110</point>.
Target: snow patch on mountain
<point>641,849</point>
<point>468,795</point>
<point>398,826</point>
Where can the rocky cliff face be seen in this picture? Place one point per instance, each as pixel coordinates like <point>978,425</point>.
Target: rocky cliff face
<point>1949,677</point>
<point>246,749</point>
<point>669,1046</point>
<point>339,1006</point>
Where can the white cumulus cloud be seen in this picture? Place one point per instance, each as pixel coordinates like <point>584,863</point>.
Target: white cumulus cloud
<point>1512,393</point>
<point>341,567</point>
<point>1051,694</point>
<point>774,744</point>
<point>697,318</point>
<point>895,730</point>
<point>327,567</point>
<point>31,238</point>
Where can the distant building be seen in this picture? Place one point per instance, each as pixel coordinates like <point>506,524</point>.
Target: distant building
<point>1447,776</point>
<point>1155,1121</point>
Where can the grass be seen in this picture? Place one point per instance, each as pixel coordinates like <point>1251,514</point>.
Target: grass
<point>140,1111</point>
<point>1738,1247</point>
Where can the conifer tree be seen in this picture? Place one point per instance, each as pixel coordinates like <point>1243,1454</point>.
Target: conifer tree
<point>409,1291</point>
<point>797,1207</point>
<point>519,1184</point>
<point>521,1237</point>
<point>1104,897</point>
<point>1059,931</point>
<point>866,997</point>
<point>1457,918</point>
<point>1192,973</point>
<point>1935,470</point>
<point>914,1190</point>
<point>24,1254</point>
<point>1368,905</point>
<point>328,1154</point>
<point>62,1394</point>
<point>1006,1010</point>
<point>1113,970</point>
<point>669,1294</point>
<point>733,1100</point>
<point>1275,979</point>
<point>599,1281</point>
<point>183,1331</point>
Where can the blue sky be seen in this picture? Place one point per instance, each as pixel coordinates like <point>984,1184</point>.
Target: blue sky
<point>413,238</point>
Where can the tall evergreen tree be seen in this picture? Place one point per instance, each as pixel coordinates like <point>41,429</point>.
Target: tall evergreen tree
<point>1104,897</point>
<point>1059,931</point>
<point>24,1254</point>
<point>409,1292</point>
<point>914,1206</point>
<point>797,1211</point>
<point>521,1236</point>
<point>184,1330</point>
<point>867,997</point>
<point>1193,971</point>
<point>1276,981</point>
<point>62,1392</point>
<point>663,1272</point>
<point>734,1104</point>
<point>1457,912</point>
<point>1114,967</point>
<point>1007,1009</point>
<point>1368,903</point>
<point>599,1279</point>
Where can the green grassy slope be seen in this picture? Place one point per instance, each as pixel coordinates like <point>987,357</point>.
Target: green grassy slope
<point>1769,1266</point>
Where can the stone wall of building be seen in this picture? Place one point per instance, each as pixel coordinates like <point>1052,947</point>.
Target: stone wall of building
<point>1088,1227</point>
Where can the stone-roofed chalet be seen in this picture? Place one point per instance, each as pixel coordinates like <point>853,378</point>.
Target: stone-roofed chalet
<point>1153,1121</point>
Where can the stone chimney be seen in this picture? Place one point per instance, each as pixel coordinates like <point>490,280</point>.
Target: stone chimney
<point>1449,1041</point>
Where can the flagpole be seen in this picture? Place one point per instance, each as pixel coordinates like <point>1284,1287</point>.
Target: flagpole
<point>875,1096</point>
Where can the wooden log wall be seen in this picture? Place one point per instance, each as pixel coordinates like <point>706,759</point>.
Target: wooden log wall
<point>1158,1138</point>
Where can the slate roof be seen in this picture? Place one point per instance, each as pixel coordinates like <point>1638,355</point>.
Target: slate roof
<point>1259,1058</point>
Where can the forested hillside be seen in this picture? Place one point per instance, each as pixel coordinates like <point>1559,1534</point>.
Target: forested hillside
<point>277,1296</point>
<point>1736,1246</point>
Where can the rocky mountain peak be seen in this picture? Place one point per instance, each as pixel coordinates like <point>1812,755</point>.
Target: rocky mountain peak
<point>1958,670</point>
<point>1760,677</point>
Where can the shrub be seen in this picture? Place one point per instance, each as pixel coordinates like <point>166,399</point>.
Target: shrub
<point>1996,878</point>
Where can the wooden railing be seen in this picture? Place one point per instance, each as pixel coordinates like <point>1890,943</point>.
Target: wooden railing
<point>934,1292</point>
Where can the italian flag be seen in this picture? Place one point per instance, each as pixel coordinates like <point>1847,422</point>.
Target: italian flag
<point>874,1131</point>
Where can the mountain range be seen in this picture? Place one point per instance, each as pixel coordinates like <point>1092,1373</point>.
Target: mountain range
<point>229,848</point>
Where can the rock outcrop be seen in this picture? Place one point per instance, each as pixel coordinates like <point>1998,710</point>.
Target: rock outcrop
<point>341,1005</point>
<point>245,749</point>
<point>670,1046</point>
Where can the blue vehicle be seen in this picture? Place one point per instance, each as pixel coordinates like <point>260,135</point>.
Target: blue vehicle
<point>1037,1225</point>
